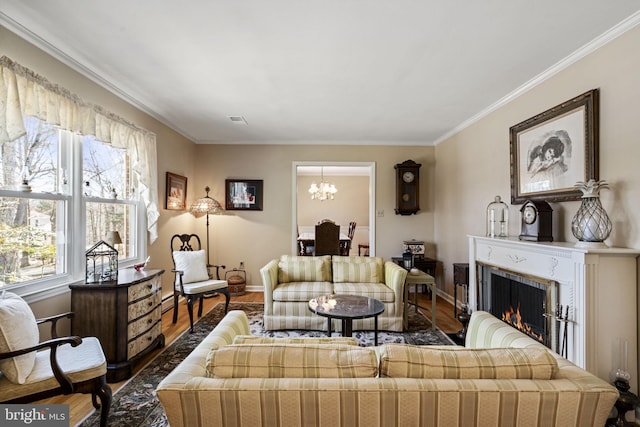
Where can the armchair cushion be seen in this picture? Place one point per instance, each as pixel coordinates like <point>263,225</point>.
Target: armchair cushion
<point>18,330</point>
<point>193,264</point>
<point>80,363</point>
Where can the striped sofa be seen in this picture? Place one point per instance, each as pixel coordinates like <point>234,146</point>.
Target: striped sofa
<point>291,281</point>
<point>501,378</point>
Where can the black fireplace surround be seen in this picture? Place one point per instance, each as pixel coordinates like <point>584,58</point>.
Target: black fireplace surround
<point>527,303</point>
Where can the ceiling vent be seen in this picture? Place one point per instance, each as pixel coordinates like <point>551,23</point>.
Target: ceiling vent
<point>238,120</point>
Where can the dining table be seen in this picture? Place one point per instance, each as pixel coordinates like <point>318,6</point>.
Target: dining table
<point>308,239</point>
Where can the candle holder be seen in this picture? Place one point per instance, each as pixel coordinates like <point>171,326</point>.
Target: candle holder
<point>497,218</point>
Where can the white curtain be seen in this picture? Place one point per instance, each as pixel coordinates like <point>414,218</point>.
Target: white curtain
<point>24,93</point>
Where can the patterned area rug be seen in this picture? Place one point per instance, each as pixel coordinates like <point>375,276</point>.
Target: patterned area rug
<point>136,404</point>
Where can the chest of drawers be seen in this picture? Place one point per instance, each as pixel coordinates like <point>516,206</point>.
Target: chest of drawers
<point>125,317</point>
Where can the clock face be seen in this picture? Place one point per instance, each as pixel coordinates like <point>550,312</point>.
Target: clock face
<point>529,214</point>
<point>408,176</point>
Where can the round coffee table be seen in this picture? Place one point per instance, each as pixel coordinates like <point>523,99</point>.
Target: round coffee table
<point>347,308</point>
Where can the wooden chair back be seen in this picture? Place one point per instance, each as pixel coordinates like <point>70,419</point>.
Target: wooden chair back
<point>327,239</point>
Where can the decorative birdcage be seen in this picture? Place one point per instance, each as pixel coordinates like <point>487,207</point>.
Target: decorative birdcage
<point>101,263</point>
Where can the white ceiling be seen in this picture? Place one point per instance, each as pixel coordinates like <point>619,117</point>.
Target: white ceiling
<point>404,72</point>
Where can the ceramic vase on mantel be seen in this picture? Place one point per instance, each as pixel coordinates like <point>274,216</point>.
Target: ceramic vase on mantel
<point>591,224</point>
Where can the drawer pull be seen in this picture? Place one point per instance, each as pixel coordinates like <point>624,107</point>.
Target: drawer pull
<point>150,286</point>
<point>150,303</point>
<point>149,338</point>
<point>149,321</point>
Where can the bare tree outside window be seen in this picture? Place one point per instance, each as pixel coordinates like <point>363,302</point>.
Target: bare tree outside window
<point>36,185</point>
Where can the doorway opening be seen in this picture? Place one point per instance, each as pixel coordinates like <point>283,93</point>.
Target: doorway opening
<point>344,207</point>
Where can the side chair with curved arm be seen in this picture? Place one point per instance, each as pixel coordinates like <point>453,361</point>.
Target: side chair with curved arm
<point>193,279</point>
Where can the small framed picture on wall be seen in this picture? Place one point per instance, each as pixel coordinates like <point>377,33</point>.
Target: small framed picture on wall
<point>243,194</point>
<point>176,199</point>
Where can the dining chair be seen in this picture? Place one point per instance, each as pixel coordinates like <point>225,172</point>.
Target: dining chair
<point>327,239</point>
<point>345,247</point>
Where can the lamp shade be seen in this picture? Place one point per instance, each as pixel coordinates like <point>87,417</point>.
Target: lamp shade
<point>206,205</point>
<point>113,238</point>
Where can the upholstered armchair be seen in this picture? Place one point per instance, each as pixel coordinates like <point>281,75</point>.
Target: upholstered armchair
<point>33,370</point>
<point>193,279</point>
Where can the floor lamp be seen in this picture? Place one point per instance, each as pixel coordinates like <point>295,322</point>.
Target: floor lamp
<point>206,206</point>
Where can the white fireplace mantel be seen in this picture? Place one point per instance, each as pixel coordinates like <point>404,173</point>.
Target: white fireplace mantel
<point>599,285</point>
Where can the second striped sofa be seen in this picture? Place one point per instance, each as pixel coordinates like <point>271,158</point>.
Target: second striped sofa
<point>501,378</point>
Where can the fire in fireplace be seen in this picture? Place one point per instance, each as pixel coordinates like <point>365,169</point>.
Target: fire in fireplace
<point>514,318</point>
<point>527,303</point>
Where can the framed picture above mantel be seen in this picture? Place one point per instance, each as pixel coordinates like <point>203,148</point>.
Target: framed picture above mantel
<point>554,150</point>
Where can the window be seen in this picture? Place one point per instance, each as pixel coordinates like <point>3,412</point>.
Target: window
<point>45,193</point>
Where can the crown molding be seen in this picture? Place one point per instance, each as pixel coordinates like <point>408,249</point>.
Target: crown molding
<point>600,41</point>
<point>85,71</point>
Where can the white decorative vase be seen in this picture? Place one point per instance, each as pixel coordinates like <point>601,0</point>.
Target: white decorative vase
<point>591,224</point>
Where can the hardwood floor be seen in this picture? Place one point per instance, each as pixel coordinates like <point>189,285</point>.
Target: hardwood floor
<point>80,405</point>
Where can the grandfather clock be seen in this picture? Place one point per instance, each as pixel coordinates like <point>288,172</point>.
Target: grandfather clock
<point>407,187</point>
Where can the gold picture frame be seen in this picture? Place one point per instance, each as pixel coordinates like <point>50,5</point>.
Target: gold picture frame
<point>552,151</point>
<point>176,198</point>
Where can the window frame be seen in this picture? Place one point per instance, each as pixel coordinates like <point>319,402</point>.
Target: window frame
<point>74,206</point>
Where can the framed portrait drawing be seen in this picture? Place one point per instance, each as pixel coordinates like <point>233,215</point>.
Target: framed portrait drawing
<point>243,194</point>
<point>176,199</point>
<point>554,150</point>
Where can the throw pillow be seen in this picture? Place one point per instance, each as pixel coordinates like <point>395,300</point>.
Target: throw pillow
<point>194,265</point>
<point>311,270</point>
<point>349,272</point>
<point>292,361</point>
<point>256,339</point>
<point>18,330</point>
<point>406,361</point>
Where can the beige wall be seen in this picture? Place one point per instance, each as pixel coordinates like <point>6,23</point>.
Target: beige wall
<point>479,154</point>
<point>256,237</point>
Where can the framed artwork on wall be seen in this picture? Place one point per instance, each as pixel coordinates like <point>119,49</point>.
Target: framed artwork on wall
<point>554,150</point>
<point>243,194</point>
<point>176,199</point>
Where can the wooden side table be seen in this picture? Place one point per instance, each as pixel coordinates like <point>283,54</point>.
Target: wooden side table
<point>421,278</point>
<point>125,316</point>
<point>425,264</point>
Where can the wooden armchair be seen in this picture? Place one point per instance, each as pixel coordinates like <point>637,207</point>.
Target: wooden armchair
<point>193,279</point>
<point>32,371</point>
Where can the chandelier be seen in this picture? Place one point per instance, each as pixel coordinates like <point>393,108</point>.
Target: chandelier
<point>324,190</point>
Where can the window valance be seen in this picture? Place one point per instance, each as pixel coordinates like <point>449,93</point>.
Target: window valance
<point>24,93</point>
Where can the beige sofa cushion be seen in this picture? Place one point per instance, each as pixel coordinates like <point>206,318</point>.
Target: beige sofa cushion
<point>291,361</point>
<point>405,361</point>
<point>304,269</point>
<point>379,261</point>
<point>255,339</point>
<point>361,272</point>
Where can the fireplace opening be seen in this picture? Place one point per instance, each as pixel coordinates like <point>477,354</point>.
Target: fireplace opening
<point>526,303</point>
